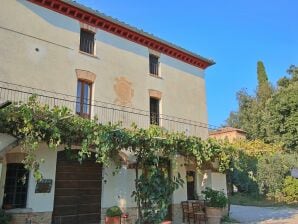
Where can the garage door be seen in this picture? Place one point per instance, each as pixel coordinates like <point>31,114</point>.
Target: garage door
<point>77,191</point>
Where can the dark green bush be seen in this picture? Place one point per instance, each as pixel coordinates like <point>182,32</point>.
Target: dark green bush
<point>290,189</point>
<point>4,217</point>
<point>243,174</point>
<point>114,211</point>
<point>215,198</point>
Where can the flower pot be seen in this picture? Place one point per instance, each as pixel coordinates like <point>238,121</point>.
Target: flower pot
<point>112,220</point>
<point>166,222</point>
<point>214,215</point>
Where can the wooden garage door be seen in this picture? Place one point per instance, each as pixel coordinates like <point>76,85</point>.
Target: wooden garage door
<point>77,191</point>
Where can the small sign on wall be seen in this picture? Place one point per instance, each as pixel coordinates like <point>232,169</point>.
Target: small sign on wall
<point>44,186</point>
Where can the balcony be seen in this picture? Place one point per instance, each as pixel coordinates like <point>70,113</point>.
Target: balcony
<point>105,112</point>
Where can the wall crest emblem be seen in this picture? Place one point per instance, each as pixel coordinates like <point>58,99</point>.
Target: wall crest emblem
<point>124,91</point>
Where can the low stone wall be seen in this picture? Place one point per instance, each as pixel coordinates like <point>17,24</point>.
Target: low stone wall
<point>132,215</point>
<point>31,218</point>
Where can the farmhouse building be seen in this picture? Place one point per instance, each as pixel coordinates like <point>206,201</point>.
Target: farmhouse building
<point>70,55</point>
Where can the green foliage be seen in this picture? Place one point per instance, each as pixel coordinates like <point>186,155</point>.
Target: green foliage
<point>264,89</point>
<point>154,191</point>
<point>4,217</point>
<point>33,123</point>
<point>228,219</point>
<point>270,115</point>
<point>281,117</point>
<point>215,198</point>
<point>248,115</point>
<point>244,173</point>
<point>272,169</point>
<point>284,82</point>
<point>113,211</point>
<point>244,157</point>
<point>290,189</point>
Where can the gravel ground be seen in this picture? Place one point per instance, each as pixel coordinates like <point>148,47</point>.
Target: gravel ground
<point>264,215</point>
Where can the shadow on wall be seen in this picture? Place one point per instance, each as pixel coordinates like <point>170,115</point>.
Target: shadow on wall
<point>66,23</point>
<point>53,18</point>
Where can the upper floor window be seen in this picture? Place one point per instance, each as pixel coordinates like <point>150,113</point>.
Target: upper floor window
<point>83,105</point>
<point>154,111</point>
<point>16,186</point>
<point>87,41</point>
<point>154,64</point>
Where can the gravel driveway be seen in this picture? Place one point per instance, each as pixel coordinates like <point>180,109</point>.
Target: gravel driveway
<point>264,215</point>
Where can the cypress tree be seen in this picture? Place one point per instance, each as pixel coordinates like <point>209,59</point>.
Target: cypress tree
<point>264,89</point>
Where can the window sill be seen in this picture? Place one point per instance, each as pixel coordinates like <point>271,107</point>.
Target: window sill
<point>155,76</point>
<point>19,210</point>
<point>90,55</point>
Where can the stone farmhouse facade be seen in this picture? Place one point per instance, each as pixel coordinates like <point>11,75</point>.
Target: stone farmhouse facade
<point>70,55</point>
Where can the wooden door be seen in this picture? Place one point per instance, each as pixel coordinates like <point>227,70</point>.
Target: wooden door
<point>77,191</point>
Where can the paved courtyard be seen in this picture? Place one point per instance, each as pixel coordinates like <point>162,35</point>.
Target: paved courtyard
<point>264,215</point>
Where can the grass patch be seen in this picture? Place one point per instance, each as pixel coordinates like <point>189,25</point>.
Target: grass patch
<point>227,219</point>
<point>259,201</point>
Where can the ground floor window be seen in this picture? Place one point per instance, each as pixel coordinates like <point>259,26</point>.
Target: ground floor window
<point>190,177</point>
<point>16,186</point>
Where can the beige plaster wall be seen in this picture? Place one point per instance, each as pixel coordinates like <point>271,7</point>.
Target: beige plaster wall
<point>44,53</point>
<point>219,182</point>
<point>40,48</point>
<point>37,202</point>
<point>181,193</point>
<point>43,202</point>
<point>117,189</point>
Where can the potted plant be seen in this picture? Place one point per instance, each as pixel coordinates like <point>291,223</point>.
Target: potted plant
<point>113,215</point>
<point>216,201</point>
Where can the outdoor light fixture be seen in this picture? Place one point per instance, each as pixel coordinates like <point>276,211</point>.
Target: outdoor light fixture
<point>4,104</point>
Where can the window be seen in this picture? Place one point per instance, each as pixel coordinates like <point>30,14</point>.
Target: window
<point>16,186</point>
<point>83,105</point>
<point>190,178</point>
<point>87,40</point>
<point>154,111</point>
<point>154,65</point>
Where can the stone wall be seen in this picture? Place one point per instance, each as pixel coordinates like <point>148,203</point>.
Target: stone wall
<point>31,218</point>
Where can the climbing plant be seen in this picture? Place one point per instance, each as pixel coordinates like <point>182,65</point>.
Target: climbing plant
<point>33,123</point>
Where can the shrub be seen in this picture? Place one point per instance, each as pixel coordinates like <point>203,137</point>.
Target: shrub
<point>4,217</point>
<point>290,189</point>
<point>272,170</point>
<point>114,211</point>
<point>215,198</point>
<point>244,173</point>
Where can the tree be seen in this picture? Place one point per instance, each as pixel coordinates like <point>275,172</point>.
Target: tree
<point>251,108</point>
<point>248,115</point>
<point>264,89</point>
<point>281,112</point>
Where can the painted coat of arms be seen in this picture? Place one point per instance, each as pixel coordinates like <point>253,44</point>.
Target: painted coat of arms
<point>124,91</point>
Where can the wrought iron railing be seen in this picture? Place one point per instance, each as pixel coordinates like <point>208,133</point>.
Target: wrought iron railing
<point>105,112</point>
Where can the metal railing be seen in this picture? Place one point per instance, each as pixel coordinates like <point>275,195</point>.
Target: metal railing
<point>105,112</point>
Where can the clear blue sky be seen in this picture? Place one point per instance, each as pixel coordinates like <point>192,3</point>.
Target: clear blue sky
<point>235,33</point>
